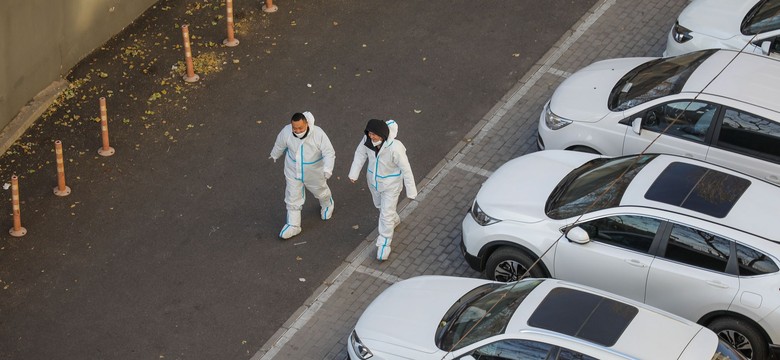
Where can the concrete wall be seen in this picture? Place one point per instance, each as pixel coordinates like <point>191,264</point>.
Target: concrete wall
<point>41,40</point>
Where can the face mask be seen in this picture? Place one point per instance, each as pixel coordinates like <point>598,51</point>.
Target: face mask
<point>299,135</point>
<point>376,143</point>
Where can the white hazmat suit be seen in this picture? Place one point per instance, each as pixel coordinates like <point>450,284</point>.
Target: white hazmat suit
<point>308,163</point>
<point>387,173</point>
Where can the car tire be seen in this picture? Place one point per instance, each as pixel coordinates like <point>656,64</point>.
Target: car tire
<point>584,149</point>
<point>743,336</point>
<point>508,264</point>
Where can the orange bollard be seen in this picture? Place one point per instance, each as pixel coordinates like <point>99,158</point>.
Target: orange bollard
<point>61,189</point>
<point>106,150</point>
<point>269,6</point>
<point>190,76</point>
<point>17,230</point>
<point>231,40</point>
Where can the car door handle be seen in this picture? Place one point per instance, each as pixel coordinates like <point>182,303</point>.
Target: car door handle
<point>717,283</point>
<point>688,155</point>
<point>773,178</point>
<point>635,262</point>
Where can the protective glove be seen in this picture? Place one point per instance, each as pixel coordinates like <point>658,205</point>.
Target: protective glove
<point>272,158</point>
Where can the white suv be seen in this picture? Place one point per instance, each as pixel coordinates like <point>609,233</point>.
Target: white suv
<point>688,237</point>
<point>716,105</point>
<point>727,24</point>
<point>442,317</point>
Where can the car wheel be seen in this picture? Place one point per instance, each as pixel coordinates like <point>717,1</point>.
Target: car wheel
<point>509,264</point>
<point>742,336</point>
<point>584,149</point>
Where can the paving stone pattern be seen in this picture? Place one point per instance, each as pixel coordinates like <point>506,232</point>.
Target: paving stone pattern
<point>427,240</point>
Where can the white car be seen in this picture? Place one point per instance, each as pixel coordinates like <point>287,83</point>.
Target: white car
<point>715,105</point>
<point>726,24</point>
<point>439,317</point>
<point>682,235</point>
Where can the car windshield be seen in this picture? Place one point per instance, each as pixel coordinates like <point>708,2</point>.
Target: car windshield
<point>481,313</point>
<point>597,184</point>
<point>765,16</point>
<point>655,79</point>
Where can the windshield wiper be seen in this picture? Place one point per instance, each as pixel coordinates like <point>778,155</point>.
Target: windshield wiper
<point>751,15</point>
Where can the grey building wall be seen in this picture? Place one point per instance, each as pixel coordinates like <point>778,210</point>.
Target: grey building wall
<point>41,40</point>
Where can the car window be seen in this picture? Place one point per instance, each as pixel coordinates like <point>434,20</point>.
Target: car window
<point>765,16</point>
<point>627,231</point>
<point>750,134</point>
<point>655,79</point>
<point>754,262</point>
<point>484,313</point>
<point>597,184</point>
<point>698,248</point>
<point>684,119</point>
<point>513,349</point>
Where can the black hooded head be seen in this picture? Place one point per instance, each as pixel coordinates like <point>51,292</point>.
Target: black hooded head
<point>378,127</point>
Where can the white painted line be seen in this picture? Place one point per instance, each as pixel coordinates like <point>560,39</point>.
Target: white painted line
<point>474,169</point>
<point>368,249</point>
<point>378,274</point>
<point>561,73</point>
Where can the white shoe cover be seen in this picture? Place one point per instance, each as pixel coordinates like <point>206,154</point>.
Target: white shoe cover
<point>382,252</point>
<point>289,231</point>
<point>382,248</point>
<point>327,211</point>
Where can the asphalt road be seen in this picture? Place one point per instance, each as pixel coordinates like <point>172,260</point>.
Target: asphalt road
<point>169,249</point>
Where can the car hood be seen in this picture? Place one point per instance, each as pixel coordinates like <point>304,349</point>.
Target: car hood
<point>519,189</point>
<point>584,96</point>
<point>404,318</point>
<point>720,19</point>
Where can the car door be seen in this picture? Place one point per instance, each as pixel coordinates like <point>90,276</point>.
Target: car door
<point>685,126</point>
<point>689,277</point>
<point>747,143</point>
<point>616,258</point>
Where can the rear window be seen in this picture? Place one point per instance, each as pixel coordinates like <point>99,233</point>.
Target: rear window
<point>583,315</point>
<point>696,188</point>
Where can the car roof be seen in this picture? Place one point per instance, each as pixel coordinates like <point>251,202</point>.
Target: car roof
<point>754,211</point>
<point>606,320</point>
<point>745,77</point>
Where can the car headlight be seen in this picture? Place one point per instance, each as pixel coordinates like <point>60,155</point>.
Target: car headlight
<point>553,122</point>
<point>680,33</point>
<point>361,350</point>
<point>480,217</point>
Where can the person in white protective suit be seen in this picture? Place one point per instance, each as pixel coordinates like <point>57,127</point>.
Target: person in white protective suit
<point>387,173</point>
<point>308,164</point>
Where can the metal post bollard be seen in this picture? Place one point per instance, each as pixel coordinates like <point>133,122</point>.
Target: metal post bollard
<point>17,230</point>
<point>61,189</point>
<point>190,76</point>
<point>106,150</point>
<point>231,40</point>
<point>269,6</point>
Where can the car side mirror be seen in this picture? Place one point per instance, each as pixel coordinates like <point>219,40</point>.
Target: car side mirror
<point>766,47</point>
<point>636,126</point>
<point>578,235</point>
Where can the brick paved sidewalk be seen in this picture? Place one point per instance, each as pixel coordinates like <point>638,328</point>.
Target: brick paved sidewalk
<point>427,239</point>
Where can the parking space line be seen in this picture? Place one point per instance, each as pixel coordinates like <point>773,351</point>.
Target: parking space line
<point>561,73</point>
<point>474,169</point>
<point>378,274</point>
<point>368,249</point>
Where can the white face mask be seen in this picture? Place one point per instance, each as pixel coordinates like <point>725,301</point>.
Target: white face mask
<point>376,143</point>
<point>299,135</point>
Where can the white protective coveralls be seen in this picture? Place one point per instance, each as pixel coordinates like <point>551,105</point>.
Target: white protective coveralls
<point>308,163</point>
<point>387,172</point>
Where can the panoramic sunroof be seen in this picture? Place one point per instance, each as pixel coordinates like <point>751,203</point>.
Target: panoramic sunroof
<point>697,188</point>
<point>583,315</point>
